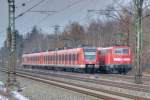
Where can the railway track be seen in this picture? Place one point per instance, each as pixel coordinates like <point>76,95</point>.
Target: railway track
<point>96,92</point>
<point>131,77</point>
<point>73,87</point>
<point>128,77</point>
<point>130,86</point>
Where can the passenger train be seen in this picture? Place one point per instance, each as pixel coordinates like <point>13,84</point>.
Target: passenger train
<point>117,59</point>
<point>77,59</point>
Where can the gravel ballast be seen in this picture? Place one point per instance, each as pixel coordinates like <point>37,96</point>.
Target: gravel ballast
<point>35,90</point>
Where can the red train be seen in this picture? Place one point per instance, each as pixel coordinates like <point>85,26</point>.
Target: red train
<point>117,59</point>
<point>78,59</point>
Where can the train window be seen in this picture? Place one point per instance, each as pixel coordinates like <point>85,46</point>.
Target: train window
<point>38,58</point>
<point>69,57</point>
<point>63,57</point>
<point>121,51</point>
<point>59,58</point>
<point>46,58</point>
<point>43,58</point>
<point>73,57</point>
<point>66,58</point>
<point>55,57</point>
<point>51,58</point>
<point>125,51</point>
<point>90,54</point>
<point>118,51</point>
<point>104,51</point>
<point>77,56</point>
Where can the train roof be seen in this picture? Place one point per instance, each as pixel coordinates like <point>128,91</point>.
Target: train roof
<point>104,48</point>
<point>48,52</point>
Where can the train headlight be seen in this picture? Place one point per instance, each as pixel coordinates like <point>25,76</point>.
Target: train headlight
<point>117,59</point>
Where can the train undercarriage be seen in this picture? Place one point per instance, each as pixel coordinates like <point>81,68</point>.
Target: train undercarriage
<point>89,68</point>
<point>115,69</point>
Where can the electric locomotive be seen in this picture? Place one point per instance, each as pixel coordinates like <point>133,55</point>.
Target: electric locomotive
<point>116,59</point>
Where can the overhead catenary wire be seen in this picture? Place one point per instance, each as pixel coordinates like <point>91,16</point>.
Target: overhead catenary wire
<point>28,10</point>
<point>61,10</point>
<point>37,4</point>
<point>22,4</point>
<point>80,9</point>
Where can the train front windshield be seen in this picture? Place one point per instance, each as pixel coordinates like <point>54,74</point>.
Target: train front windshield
<point>90,53</point>
<point>121,51</point>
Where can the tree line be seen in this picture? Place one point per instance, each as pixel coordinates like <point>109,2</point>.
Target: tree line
<point>96,33</point>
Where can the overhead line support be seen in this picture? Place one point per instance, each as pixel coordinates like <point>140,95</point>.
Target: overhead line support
<point>11,45</point>
<point>139,40</point>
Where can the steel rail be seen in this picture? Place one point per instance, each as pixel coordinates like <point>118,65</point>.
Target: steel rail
<point>136,87</point>
<point>28,75</point>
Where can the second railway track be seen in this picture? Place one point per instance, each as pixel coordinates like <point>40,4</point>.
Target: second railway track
<point>131,86</point>
<point>93,91</point>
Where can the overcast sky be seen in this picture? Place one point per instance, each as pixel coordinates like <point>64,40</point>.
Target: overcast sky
<point>67,10</point>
